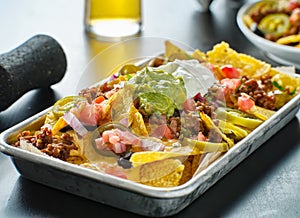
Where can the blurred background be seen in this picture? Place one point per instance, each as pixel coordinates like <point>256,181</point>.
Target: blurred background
<point>258,187</point>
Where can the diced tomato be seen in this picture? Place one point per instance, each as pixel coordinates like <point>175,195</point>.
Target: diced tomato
<point>245,103</point>
<point>168,133</point>
<point>86,113</point>
<point>101,109</point>
<point>189,104</point>
<point>295,17</point>
<point>114,139</point>
<point>201,137</point>
<point>231,85</point>
<point>106,135</point>
<point>162,131</point>
<point>100,144</point>
<point>99,99</point>
<point>230,71</point>
<point>292,4</point>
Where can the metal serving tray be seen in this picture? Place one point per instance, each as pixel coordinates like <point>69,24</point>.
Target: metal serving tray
<point>128,195</point>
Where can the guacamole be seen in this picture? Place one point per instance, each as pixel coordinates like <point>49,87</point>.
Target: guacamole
<point>158,91</point>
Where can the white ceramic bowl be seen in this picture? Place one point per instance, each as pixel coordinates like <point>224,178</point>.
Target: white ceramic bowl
<point>282,54</point>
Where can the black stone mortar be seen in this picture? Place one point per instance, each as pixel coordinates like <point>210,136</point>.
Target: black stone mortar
<point>38,63</point>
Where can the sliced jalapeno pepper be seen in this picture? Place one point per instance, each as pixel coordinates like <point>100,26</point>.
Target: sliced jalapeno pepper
<point>65,104</point>
<point>204,146</point>
<point>239,118</point>
<point>274,25</point>
<point>129,69</point>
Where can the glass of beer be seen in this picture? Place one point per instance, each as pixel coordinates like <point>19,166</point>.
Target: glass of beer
<point>113,20</point>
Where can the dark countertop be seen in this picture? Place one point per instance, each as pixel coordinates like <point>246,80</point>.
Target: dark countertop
<point>266,184</point>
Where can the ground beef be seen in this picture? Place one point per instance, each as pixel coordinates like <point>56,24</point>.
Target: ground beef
<point>175,126</point>
<point>202,105</point>
<point>60,150</point>
<point>90,93</point>
<point>58,147</point>
<point>191,124</point>
<point>260,93</point>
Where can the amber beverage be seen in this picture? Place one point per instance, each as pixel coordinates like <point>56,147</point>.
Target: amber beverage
<point>113,19</point>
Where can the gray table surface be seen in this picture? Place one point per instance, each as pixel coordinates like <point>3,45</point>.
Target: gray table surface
<point>266,184</point>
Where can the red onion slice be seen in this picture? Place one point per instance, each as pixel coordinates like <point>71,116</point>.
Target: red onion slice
<point>72,120</point>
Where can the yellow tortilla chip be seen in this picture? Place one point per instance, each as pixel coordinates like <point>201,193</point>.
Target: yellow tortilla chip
<point>61,123</point>
<point>162,173</point>
<point>222,54</point>
<point>173,52</point>
<point>137,122</point>
<point>191,164</point>
<point>199,55</point>
<point>195,163</point>
<point>139,158</point>
<point>251,66</point>
<point>286,81</point>
<point>119,104</point>
<point>187,172</point>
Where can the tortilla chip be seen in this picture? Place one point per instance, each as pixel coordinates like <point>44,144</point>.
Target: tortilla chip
<point>120,103</point>
<point>191,164</point>
<point>29,147</point>
<point>136,121</point>
<point>139,158</point>
<point>196,161</point>
<point>187,172</point>
<point>285,81</point>
<point>173,52</point>
<point>162,173</point>
<point>199,55</point>
<point>61,123</point>
<point>222,54</point>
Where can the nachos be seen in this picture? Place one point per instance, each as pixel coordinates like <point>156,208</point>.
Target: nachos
<point>161,124</point>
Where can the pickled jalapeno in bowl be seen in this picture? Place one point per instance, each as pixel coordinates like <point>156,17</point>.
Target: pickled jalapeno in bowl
<point>277,21</point>
<point>274,28</point>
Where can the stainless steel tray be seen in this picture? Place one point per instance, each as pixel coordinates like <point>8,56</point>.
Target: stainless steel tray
<point>128,195</point>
